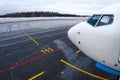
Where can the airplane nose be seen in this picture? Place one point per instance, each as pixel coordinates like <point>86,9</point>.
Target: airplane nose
<point>71,35</point>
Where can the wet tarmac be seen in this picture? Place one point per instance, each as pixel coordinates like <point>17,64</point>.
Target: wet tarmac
<point>45,54</point>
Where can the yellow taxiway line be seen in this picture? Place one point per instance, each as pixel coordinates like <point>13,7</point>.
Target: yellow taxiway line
<point>78,51</point>
<point>32,39</point>
<point>39,74</point>
<point>83,71</point>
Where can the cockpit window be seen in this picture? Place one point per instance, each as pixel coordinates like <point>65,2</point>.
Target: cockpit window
<point>100,20</point>
<point>105,20</point>
<point>94,19</point>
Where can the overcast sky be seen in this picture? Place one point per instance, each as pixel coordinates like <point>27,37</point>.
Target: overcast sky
<point>80,7</point>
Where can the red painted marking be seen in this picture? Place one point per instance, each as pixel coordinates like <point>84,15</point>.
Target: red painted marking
<point>30,60</point>
<point>27,61</point>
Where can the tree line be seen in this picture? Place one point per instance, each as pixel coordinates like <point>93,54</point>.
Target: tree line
<point>39,14</point>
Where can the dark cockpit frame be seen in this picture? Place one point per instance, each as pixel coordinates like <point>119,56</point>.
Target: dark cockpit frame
<point>101,20</point>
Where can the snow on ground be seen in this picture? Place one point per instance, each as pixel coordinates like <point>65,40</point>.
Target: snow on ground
<point>8,19</point>
<point>13,24</point>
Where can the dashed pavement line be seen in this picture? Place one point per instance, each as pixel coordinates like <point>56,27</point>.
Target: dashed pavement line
<point>27,61</point>
<point>30,60</point>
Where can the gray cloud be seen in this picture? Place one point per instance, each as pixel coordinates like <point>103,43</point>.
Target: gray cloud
<point>63,6</point>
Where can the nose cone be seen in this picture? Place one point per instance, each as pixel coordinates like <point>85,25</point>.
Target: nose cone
<point>71,34</point>
<point>96,43</point>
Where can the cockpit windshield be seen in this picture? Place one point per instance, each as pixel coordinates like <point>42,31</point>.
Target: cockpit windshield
<point>94,19</point>
<point>100,20</point>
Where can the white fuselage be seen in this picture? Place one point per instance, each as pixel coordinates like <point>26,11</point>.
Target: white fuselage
<point>101,43</point>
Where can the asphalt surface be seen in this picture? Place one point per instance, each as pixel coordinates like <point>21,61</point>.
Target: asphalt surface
<point>43,53</point>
